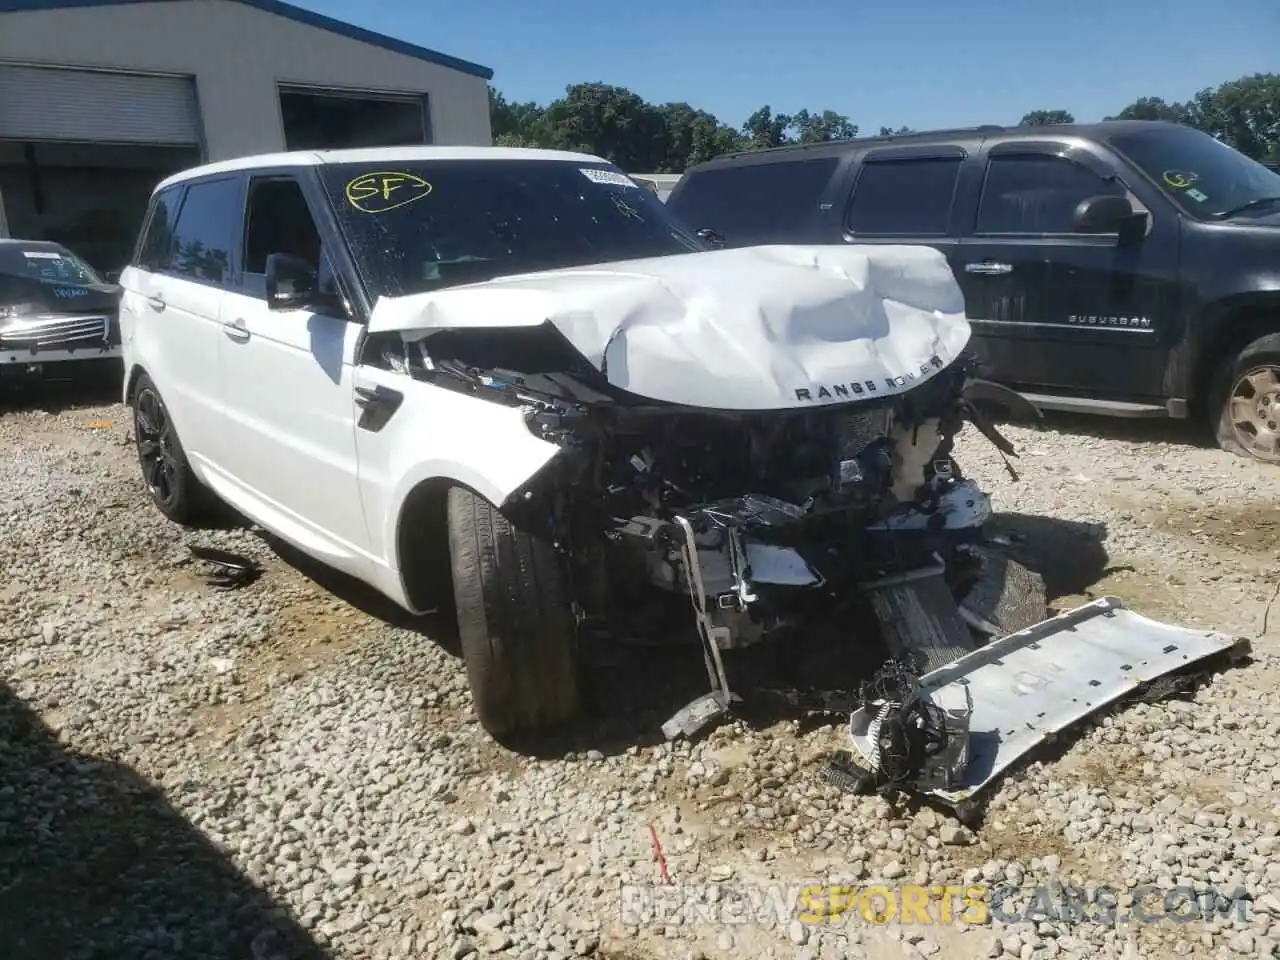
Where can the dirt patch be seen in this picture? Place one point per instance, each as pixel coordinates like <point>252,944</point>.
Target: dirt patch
<point>1143,592</point>
<point>1251,528</point>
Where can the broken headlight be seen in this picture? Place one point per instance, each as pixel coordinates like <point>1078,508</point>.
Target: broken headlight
<point>12,312</point>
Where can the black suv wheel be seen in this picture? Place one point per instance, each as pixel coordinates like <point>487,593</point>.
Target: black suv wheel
<point>1247,401</point>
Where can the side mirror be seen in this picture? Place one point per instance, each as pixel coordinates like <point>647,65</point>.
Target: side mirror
<point>1110,214</point>
<point>707,235</point>
<point>291,282</point>
<point>112,276</point>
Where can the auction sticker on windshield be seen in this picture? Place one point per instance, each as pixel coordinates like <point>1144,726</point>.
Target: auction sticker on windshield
<point>609,177</point>
<point>380,192</point>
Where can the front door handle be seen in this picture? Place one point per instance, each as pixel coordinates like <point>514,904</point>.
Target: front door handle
<point>988,268</point>
<point>156,303</point>
<point>376,396</point>
<point>236,330</point>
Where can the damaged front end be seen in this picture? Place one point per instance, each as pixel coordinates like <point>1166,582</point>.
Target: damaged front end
<point>686,463</point>
<point>760,521</point>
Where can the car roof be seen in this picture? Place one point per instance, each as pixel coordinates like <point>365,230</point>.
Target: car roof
<point>1092,131</point>
<point>18,241</point>
<point>317,158</point>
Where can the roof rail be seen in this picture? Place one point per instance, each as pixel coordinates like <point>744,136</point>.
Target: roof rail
<point>799,147</point>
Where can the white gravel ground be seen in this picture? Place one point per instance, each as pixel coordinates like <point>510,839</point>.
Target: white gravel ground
<point>282,771</point>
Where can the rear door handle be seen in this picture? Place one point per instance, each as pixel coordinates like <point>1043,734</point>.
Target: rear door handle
<point>988,268</point>
<point>156,303</point>
<point>236,330</point>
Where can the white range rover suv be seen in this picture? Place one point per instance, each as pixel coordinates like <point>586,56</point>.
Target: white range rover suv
<point>510,381</point>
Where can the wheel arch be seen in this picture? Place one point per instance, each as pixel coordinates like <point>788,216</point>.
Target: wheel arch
<point>132,376</point>
<point>1237,323</point>
<point>421,543</point>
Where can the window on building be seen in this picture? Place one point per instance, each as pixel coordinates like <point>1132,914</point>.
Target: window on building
<point>1037,193</point>
<point>315,120</point>
<point>904,197</point>
<point>204,234</point>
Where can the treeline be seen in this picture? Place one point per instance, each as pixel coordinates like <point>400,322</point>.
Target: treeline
<point>642,137</point>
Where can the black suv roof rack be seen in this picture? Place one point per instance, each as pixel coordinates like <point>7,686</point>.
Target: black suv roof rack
<point>837,144</point>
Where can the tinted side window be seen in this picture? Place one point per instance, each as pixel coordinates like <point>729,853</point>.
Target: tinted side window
<point>279,221</point>
<point>156,245</point>
<point>205,233</point>
<point>759,201</point>
<point>1029,193</point>
<point>904,197</point>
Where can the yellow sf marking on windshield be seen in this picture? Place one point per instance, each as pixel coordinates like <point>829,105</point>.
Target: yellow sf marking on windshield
<point>1180,179</point>
<point>380,192</point>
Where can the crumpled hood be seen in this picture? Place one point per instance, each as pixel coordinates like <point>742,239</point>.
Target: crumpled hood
<point>751,328</point>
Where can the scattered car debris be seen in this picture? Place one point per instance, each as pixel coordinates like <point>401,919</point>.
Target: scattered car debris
<point>229,570</point>
<point>951,732</point>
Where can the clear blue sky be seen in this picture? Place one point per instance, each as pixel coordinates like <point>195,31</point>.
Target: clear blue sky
<point>923,63</point>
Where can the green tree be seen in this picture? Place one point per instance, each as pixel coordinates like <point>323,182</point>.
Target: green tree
<point>693,136</point>
<point>1243,113</point>
<point>890,132</point>
<point>1154,108</point>
<point>611,122</point>
<point>516,124</point>
<point>764,128</point>
<point>1044,118</point>
<point>821,127</point>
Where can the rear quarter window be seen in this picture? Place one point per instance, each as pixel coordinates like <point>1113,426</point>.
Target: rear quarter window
<point>155,244</point>
<point>755,203</point>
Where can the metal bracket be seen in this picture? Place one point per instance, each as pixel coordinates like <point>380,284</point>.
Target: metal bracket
<point>692,717</point>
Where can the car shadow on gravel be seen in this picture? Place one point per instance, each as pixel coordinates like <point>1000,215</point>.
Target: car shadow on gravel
<point>440,626</point>
<point>54,392</point>
<point>95,863</point>
<point>1071,556</point>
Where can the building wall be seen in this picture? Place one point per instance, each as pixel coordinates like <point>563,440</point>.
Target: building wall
<point>238,54</point>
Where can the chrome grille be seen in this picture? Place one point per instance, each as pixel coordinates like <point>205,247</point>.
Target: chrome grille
<point>55,333</point>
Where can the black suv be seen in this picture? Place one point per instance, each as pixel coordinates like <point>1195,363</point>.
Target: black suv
<point>1122,268</point>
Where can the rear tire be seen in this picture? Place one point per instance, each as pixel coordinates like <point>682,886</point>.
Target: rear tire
<point>173,486</point>
<point>515,622</point>
<point>1245,401</point>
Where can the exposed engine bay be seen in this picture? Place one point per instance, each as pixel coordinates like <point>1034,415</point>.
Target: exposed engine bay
<point>757,518</point>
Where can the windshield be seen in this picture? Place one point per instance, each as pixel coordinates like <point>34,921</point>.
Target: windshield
<point>45,262</point>
<point>1204,176</point>
<point>421,226</point>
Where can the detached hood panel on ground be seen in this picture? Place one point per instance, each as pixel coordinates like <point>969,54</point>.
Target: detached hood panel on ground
<point>754,328</point>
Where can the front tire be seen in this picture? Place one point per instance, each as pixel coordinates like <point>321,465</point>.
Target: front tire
<point>1246,401</point>
<point>173,486</point>
<point>515,622</point>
